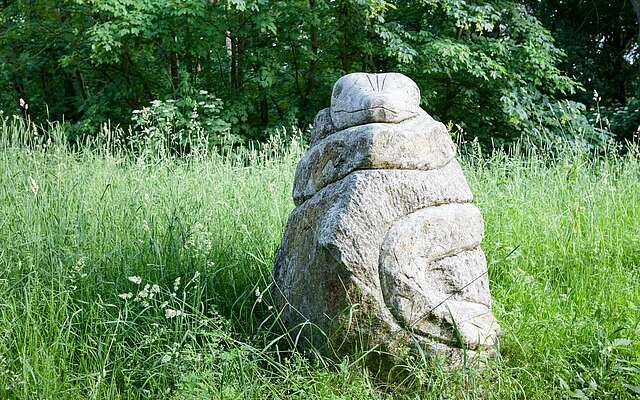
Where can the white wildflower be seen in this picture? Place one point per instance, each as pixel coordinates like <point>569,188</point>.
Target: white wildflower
<point>171,313</point>
<point>199,240</point>
<point>126,296</point>
<point>155,289</point>
<point>144,293</point>
<point>176,284</point>
<point>135,279</point>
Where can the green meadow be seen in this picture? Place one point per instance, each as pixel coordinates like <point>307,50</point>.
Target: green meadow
<point>126,277</point>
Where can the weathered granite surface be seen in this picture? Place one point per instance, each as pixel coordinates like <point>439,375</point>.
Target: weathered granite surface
<point>383,248</point>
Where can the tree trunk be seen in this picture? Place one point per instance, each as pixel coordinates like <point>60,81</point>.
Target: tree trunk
<point>236,51</point>
<point>636,8</point>
<point>312,79</point>
<point>173,68</point>
<point>264,111</point>
<point>81,86</point>
<point>296,70</point>
<point>242,45</point>
<point>344,23</point>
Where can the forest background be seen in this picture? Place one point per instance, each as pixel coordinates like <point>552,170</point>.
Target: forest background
<point>236,70</point>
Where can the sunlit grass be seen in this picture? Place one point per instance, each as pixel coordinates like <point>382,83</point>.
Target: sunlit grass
<point>78,228</point>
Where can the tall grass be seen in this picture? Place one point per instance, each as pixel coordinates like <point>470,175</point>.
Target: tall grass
<point>125,277</point>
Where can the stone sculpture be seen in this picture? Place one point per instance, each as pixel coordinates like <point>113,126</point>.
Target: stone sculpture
<point>382,248</point>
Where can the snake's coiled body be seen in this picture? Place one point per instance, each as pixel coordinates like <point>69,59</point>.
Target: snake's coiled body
<point>384,241</point>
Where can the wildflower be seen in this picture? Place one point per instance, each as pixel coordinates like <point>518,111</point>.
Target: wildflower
<point>258,295</point>
<point>152,291</point>
<point>144,293</point>
<point>135,279</point>
<point>126,296</point>
<point>34,186</point>
<point>170,313</point>
<point>176,284</point>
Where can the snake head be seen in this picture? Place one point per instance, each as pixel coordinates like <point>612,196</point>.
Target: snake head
<point>361,98</point>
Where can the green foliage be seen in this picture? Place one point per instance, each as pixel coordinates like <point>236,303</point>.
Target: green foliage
<point>622,120</point>
<point>602,41</point>
<point>181,126</point>
<point>488,66</point>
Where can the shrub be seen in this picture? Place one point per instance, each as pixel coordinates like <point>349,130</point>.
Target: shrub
<point>183,125</point>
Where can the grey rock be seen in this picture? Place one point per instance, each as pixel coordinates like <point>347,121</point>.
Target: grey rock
<point>383,248</point>
<point>361,98</point>
<point>322,126</point>
<point>431,267</point>
<point>418,143</point>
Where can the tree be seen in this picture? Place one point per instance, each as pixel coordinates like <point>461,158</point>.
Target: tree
<point>602,41</point>
<point>489,66</point>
